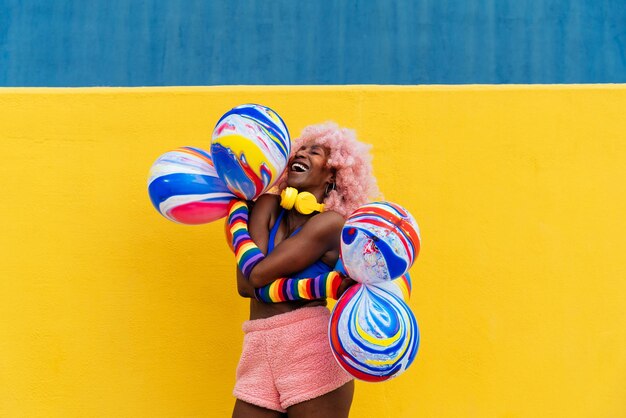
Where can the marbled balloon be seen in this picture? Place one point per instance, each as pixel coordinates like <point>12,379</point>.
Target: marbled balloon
<point>373,333</point>
<point>250,148</point>
<point>184,187</point>
<point>379,242</point>
<point>401,287</point>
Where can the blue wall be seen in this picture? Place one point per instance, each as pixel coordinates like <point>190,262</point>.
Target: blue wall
<point>194,42</point>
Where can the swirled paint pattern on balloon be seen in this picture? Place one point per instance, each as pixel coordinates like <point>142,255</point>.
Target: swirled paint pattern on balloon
<point>373,333</point>
<point>401,287</point>
<point>250,147</point>
<point>184,187</point>
<point>379,242</point>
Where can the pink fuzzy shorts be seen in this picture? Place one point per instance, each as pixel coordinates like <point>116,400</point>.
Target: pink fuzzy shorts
<point>286,360</point>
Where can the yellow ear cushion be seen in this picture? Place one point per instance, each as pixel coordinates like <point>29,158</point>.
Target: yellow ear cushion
<point>304,202</point>
<point>288,197</point>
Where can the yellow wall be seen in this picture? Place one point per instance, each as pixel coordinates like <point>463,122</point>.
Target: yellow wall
<point>109,310</point>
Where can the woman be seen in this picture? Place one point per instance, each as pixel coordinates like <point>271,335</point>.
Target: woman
<point>287,367</point>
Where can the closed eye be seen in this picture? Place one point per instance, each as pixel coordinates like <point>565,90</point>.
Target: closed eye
<point>315,149</point>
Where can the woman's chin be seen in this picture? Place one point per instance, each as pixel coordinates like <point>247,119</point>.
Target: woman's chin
<point>296,181</point>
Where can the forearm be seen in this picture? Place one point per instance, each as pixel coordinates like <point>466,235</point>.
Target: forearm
<point>257,279</point>
<point>291,289</point>
<point>247,253</point>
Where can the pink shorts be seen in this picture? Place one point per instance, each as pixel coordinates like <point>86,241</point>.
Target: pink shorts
<point>287,359</point>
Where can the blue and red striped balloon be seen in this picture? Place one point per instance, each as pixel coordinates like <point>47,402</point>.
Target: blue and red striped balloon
<point>184,187</point>
<point>373,333</point>
<point>379,242</point>
<point>401,287</point>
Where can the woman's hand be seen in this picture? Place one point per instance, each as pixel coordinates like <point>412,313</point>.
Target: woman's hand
<point>346,282</point>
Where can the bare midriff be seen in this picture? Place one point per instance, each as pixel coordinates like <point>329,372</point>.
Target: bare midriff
<point>260,310</point>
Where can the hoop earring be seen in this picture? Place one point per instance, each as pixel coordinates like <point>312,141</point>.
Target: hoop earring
<point>332,187</point>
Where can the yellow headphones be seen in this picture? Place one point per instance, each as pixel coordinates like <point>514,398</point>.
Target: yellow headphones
<point>304,202</point>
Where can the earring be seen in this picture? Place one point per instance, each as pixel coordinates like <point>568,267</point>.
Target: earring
<point>331,186</point>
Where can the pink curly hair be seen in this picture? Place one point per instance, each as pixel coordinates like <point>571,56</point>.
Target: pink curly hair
<point>352,162</point>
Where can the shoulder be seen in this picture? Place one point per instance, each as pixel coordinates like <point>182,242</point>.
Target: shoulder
<point>267,201</point>
<point>331,217</point>
<point>264,209</point>
<point>325,223</point>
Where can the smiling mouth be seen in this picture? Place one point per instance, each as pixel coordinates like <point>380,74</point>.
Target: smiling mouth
<point>299,167</point>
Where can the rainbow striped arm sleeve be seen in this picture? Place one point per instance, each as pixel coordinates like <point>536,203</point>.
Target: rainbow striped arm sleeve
<point>246,251</point>
<point>289,289</point>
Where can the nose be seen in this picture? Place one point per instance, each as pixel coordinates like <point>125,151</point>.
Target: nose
<point>302,152</point>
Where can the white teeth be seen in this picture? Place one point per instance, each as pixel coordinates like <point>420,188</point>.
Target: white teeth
<point>298,167</point>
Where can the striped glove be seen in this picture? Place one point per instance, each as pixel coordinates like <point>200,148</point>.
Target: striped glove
<point>288,289</point>
<point>246,251</point>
